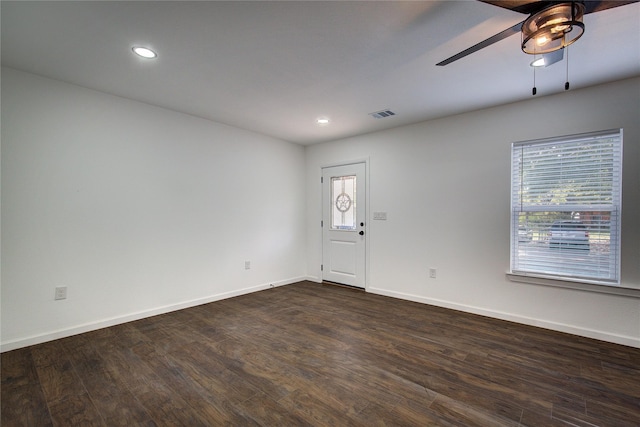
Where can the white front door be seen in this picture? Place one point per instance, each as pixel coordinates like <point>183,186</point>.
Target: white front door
<point>344,224</point>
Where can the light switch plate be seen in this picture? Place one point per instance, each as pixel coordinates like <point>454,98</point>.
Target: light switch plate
<point>380,216</point>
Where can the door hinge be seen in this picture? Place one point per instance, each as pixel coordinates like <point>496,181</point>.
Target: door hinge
<point>321,267</point>
<point>321,180</point>
<point>321,223</point>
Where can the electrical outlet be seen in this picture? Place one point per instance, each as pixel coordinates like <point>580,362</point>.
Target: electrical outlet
<point>61,292</point>
<point>432,273</point>
<point>247,265</point>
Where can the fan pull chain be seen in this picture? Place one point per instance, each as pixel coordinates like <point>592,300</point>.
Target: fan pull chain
<point>566,83</point>
<point>534,90</point>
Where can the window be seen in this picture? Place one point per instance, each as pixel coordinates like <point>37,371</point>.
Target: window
<point>565,207</point>
<point>343,194</point>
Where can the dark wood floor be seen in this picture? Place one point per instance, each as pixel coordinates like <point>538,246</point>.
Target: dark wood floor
<point>311,354</point>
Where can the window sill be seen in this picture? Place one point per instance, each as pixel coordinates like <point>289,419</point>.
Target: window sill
<point>581,286</point>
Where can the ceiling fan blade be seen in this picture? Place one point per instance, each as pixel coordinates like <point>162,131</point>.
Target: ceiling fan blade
<point>532,6</point>
<point>598,6</point>
<point>488,42</point>
<point>521,6</point>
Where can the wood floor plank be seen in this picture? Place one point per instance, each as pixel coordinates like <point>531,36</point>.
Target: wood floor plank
<point>268,374</point>
<point>202,365</point>
<point>208,402</point>
<point>579,419</point>
<point>613,414</point>
<point>18,368</point>
<point>59,381</point>
<point>265,411</point>
<point>315,410</point>
<point>536,419</point>
<point>414,413</point>
<point>24,405</point>
<point>117,405</point>
<point>76,410</point>
<point>381,414</point>
<point>482,402</point>
<point>314,354</point>
<point>457,411</point>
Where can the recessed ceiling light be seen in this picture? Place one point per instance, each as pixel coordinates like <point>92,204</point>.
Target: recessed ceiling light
<point>322,121</point>
<point>144,52</point>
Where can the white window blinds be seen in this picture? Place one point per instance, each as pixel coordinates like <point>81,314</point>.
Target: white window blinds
<point>565,207</point>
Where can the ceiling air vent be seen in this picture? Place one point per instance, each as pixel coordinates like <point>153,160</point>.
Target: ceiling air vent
<point>382,114</point>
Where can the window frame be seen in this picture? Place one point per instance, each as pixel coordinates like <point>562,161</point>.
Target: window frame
<point>518,207</point>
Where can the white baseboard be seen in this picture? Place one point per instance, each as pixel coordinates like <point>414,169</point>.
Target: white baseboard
<point>105,323</point>
<point>560,327</point>
<point>92,326</point>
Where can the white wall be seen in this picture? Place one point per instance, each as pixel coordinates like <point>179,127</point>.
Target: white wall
<point>139,210</point>
<point>445,187</point>
<point>136,209</point>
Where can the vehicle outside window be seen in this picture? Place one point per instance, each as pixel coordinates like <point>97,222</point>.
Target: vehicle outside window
<point>570,234</point>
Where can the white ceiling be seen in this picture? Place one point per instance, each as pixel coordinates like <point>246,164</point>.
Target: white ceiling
<point>274,67</point>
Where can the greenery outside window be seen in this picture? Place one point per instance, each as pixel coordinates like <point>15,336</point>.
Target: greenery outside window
<point>566,199</point>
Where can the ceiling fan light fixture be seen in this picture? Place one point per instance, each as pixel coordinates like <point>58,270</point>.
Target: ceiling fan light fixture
<point>538,62</point>
<point>548,59</point>
<point>553,28</point>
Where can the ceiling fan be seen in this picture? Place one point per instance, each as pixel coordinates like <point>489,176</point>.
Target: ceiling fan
<point>551,25</point>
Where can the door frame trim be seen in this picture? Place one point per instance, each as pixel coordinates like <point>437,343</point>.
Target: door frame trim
<point>367,192</point>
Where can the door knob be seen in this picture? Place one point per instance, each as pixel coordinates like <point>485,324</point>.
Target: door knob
<point>361,233</point>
